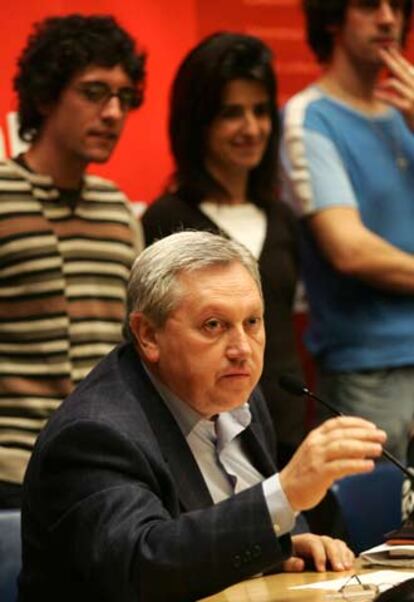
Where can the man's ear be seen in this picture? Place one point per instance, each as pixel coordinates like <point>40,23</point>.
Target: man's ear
<point>145,335</point>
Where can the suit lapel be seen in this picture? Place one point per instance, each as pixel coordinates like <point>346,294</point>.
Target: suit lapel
<point>192,489</point>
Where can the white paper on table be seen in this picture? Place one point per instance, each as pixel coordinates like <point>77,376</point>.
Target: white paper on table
<point>381,555</point>
<point>379,578</point>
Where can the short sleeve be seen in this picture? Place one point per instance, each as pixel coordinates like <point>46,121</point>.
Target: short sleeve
<point>313,176</point>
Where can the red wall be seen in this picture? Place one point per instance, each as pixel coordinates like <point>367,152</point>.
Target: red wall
<point>167,29</point>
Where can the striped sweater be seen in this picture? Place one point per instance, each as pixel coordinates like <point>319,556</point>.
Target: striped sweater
<point>63,275</point>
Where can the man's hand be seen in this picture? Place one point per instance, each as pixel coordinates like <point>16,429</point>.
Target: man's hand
<point>398,89</point>
<point>339,447</point>
<point>325,553</point>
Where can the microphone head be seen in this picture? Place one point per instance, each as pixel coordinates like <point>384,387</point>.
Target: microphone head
<point>291,384</point>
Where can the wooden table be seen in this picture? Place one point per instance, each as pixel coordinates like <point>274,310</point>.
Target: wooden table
<point>275,588</point>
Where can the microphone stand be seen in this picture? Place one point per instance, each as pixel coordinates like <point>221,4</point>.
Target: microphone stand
<point>385,452</point>
<point>292,385</point>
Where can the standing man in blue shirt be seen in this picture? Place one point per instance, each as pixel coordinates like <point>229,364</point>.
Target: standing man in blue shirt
<point>348,166</point>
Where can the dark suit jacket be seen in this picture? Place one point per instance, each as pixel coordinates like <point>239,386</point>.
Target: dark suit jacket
<point>278,264</point>
<point>115,507</point>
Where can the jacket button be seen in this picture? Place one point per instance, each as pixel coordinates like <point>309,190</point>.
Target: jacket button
<point>237,561</point>
<point>247,556</point>
<point>256,551</point>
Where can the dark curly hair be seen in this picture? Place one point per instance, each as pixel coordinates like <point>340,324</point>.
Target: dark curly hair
<point>59,48</point>
<point>196,99</point>
<point>322,15</point>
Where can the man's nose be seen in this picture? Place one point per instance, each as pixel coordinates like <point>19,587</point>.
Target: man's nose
<point>386,14</point>
<point>238,346</point>
<point>112,109</point>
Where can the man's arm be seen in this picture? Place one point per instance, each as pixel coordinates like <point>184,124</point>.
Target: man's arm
<point>317,184</point>
<point>354,250</point>
<point>339,447</point>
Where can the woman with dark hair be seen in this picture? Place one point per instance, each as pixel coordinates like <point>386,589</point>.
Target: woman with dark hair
<point>224,134</point>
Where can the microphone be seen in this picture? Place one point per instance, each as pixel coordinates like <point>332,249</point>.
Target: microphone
<point>293,385</point>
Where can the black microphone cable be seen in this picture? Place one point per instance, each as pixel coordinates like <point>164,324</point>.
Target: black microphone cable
<point>293,385</point>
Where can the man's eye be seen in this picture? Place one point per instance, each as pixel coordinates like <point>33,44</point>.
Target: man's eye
<point>94,91</point>
<point>213,325</point>
<point>129,97</point>
<point>254,322</point>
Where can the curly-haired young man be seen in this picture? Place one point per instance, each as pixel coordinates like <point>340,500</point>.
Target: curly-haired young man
<point>348,155</point>
<point>67,239</point>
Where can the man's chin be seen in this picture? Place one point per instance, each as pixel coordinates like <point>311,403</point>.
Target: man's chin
<point>234,399</point>
<point>99,158</point>
<point>99,155</point>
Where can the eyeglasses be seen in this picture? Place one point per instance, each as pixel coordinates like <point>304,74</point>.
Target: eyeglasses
<point>358,591</point>
<point>100,93</point>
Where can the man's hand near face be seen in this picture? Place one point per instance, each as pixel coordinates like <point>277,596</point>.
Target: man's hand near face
<point>397,89</point>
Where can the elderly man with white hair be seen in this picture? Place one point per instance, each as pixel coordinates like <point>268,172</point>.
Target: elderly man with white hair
<point>156,479</point>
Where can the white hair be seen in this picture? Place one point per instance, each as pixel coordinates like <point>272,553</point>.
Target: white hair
<point>153,287</point>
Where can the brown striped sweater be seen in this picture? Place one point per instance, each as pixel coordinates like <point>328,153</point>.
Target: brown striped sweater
<point>63,275</point>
